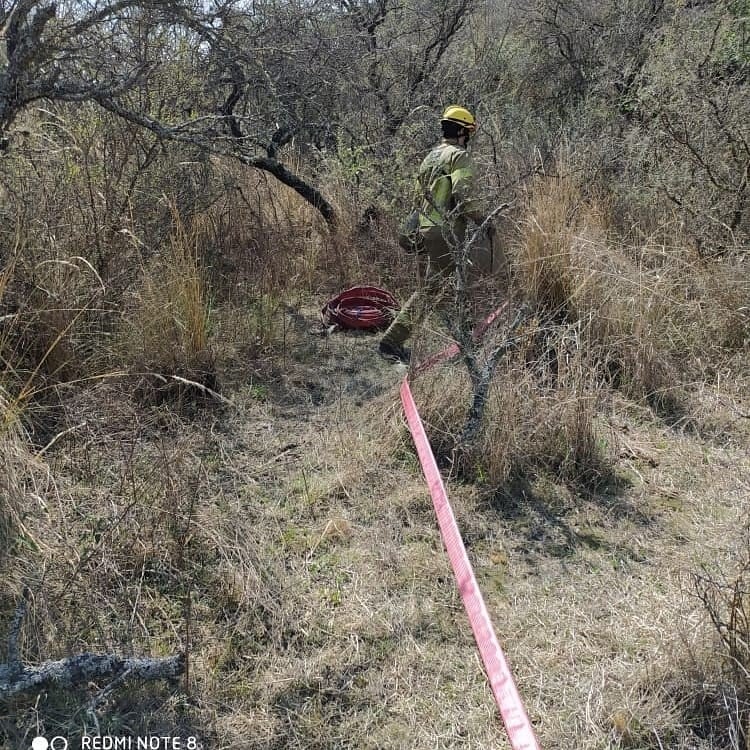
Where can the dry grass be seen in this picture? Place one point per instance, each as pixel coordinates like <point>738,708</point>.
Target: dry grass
<point>654,317</point>
<point>363,247</point>
<point>322,610</point>
<point>259,237</point>
<point>546,270</point>
<point>287,543</point>
<point>725,595</point>
<point>535,421</point>
<point>12,458</point>
<point>167,329</point>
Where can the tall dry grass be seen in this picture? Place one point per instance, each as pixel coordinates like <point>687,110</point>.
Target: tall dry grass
<point>724,591</point>
<point>649,321</point>
<point>656,316</point>
<point>11,456</point>
<point>166,328</point>
<point>259,237</point>
<point>545,267</point>
<point>363,247</point>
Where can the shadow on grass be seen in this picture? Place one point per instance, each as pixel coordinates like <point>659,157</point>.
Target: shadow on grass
<point>324,710</point>
<point>675,412</point>
<point>547,515</point>
<point>716,713</point>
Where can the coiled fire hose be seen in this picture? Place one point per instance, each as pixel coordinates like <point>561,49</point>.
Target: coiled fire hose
<point>362,307</point>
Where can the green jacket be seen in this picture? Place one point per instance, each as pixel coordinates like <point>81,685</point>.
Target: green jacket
<point>446,184</point>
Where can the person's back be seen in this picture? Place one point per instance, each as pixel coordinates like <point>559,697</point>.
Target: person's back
<point>446,181</point>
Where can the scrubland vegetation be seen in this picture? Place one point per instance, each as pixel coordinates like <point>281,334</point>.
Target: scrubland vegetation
<point>193,465</point>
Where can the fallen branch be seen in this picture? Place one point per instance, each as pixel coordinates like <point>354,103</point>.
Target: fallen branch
<point>83,668</point>
<point>17,679</point>
<point>14,665</point>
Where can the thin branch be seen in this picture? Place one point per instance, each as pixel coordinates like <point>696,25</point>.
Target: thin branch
<point>482,377</point>
<point>181,134</point>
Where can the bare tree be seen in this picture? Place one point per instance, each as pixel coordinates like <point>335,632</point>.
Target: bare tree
<point>114,52</point>
<point>694,146</point>
<point>400,47</point>
<point>228,77</point>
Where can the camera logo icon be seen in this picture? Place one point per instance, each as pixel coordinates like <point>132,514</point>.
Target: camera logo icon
<point>55,743</point>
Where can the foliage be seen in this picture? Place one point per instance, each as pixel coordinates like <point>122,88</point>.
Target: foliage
<point>182,182</point>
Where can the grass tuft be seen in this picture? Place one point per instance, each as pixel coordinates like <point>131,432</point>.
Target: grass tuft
<point>167,330</point>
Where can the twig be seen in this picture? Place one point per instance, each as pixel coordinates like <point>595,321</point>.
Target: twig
<point>194,384</point>
<point>60,435</point>
<point>102,695</point>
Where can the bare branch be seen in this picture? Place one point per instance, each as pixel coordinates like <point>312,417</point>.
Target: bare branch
<point>182,134</point>
<point>17,679</point>
<point>481,377</point>
<point>84,668</point>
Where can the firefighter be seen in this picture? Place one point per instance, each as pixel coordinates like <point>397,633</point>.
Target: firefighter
<point>445,184</point>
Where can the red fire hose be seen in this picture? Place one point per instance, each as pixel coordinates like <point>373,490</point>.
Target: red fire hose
<point>361,307</point>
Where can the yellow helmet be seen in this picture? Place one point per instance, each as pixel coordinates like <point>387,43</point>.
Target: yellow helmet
<point>460,116</point>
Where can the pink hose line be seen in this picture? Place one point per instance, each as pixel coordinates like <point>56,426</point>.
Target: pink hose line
<point>517,724</point>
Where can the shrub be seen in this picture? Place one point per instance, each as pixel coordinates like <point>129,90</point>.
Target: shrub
<point>537,420</point>
<point>726,598</point>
